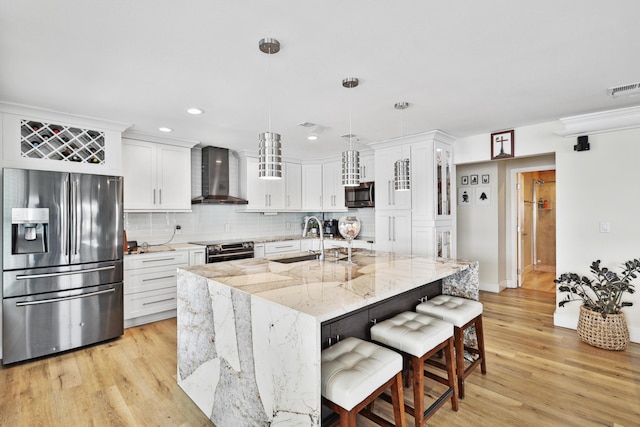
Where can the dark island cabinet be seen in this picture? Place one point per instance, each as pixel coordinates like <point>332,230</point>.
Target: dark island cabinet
<point>357,323</point>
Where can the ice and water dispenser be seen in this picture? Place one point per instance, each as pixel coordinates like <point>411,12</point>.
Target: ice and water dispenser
<point>29,230</point>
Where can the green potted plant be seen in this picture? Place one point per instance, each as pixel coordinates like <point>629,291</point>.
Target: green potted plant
<point>601,322</point>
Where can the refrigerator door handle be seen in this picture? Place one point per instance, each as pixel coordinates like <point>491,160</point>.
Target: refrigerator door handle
<point>47,301</point>
<point>74,225</point>
<point>62,273</point>
<point>65,213</point>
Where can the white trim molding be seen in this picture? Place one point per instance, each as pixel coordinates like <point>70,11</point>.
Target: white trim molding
<point>603,121</point>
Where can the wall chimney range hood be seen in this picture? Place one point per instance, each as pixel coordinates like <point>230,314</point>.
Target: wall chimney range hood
<point>215,179</point>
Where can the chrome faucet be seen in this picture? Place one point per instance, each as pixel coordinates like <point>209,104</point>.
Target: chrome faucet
<point>304,234</point>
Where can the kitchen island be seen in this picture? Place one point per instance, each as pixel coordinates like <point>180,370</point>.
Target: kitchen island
<point>250,331</point>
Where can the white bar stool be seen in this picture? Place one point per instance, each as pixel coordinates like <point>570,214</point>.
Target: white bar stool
<point>354,374</point>
<point>418,337</point>
<point>462,313</point>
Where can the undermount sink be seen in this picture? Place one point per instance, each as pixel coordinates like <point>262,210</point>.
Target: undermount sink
<point>296,259</point>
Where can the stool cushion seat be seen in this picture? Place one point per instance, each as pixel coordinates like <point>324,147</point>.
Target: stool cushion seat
<point>456,310</point>
<point>352,369</point>
<point>412,333</point>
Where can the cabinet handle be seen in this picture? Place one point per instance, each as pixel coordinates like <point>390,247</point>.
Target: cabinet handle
<point>269,200</point>
<point>158,278</point>
<point>154,196</point>
<point>160,196</point>
<point>159,259</point>
<point>266,200</point>
<point>156,302</point>
<point>389,192</point>
<point>389,226</point>
<point>394,228</point>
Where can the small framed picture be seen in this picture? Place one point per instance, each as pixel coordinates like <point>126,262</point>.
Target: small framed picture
<point>474,179</point>
<point>464,180</point>
<point>502,145</point>
<point>485,179</point>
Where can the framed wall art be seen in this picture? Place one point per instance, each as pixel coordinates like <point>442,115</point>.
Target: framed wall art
<point>464,180</point>
<point>485,179</point>
<point>474,179</point>
<point>502,145</point>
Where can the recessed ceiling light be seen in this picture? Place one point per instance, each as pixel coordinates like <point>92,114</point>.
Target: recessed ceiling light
<point>312,137</point>
<point>165,129</point>
<point>195,111</point>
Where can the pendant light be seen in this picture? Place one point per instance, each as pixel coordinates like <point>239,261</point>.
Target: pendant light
<point>401,176</point>
<point>351,157</point>
<point>269,147</point>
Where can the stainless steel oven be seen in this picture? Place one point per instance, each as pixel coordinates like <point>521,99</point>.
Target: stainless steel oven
<point>219,252</point>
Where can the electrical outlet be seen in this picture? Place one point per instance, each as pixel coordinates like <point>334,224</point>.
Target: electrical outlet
<point>288,226</point>
<point>227,227</point>
<point>178,229</point>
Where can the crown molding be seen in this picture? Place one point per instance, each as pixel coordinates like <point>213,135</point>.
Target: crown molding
<point>603,121</point>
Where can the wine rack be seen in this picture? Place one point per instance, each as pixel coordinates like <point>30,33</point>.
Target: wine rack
<point>41,140</point>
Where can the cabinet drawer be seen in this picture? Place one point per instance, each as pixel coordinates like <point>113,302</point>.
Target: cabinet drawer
<point>145,280</point>
<point>163,259</point>
<point>150,302</point>
<point>271,248</point>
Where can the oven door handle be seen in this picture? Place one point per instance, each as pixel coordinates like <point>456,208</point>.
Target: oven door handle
<point>62,273</point>
<point>230,254</point>
<point>46,301</point>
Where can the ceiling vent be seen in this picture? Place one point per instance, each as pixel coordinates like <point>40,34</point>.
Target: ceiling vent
<point>624,90</point>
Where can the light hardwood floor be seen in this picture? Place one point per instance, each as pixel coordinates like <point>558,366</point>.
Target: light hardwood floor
<point>538,375</point>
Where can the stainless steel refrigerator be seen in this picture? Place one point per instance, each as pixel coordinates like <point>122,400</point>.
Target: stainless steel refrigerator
<point>62,261</point>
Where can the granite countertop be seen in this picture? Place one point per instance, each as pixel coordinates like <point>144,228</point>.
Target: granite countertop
<point>165,248</point>
<point>329,288</point>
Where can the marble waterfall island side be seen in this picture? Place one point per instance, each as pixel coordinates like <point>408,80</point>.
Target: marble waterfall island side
<point>249,330</point>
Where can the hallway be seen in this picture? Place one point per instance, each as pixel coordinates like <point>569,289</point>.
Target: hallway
<point>539,281</point>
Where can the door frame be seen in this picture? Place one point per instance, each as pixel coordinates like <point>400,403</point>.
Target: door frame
<point>513,235</point>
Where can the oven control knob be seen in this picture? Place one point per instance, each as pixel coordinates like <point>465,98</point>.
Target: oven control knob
<point>216,249</point>
<point>247,245</point>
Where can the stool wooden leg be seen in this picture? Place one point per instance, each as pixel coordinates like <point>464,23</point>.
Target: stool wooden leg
<point>459,344</point>
<point>480,336</point>
<point>418,390</point>
<point>450,358</point>
<point>397,399</point>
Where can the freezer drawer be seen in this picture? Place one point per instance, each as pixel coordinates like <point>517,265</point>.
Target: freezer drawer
<point>44,324</point>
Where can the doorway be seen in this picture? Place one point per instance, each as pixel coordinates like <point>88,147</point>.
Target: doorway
<point>537,230</point>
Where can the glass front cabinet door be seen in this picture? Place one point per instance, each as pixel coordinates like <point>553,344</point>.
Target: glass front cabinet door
<point>443,163</point>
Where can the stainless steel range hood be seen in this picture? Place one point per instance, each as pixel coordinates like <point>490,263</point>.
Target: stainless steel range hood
<point>215,179</point>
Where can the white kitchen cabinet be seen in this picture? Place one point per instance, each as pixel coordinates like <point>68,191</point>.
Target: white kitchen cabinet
<point>150,282</point>
<point>386,196</point>
<point>281,247</point>
<point>332,189</point>
<point>292,186</point>
<point>47,140</point>
<point>367,168</point>
<point>197,257</point>
<point>258,250</point>
<point>393,231</point>
<point>157,177</point>
<point>262,194</point>
<point>432,184</point>
<point>312,187</point>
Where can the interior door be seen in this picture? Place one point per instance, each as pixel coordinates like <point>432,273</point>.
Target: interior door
<point>96,218</point>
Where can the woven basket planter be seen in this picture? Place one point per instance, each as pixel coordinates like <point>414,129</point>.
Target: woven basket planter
<point>611,333</point>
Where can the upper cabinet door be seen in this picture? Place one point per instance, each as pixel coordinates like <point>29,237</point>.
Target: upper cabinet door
<point>312,187</point>
<point>139,168</point>
<point>332,189</point>
<point>386,195</point>
<point>443,171</point>
<point>293,186</point>
<point>174,177</point>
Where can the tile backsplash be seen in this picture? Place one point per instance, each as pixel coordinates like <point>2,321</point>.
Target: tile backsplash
<point>224,223</point>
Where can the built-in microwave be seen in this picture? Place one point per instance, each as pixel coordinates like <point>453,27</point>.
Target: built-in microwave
<point>362,196</point>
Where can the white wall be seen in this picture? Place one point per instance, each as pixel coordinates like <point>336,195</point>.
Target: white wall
<point>594,186</point>
<point>591,186</point>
